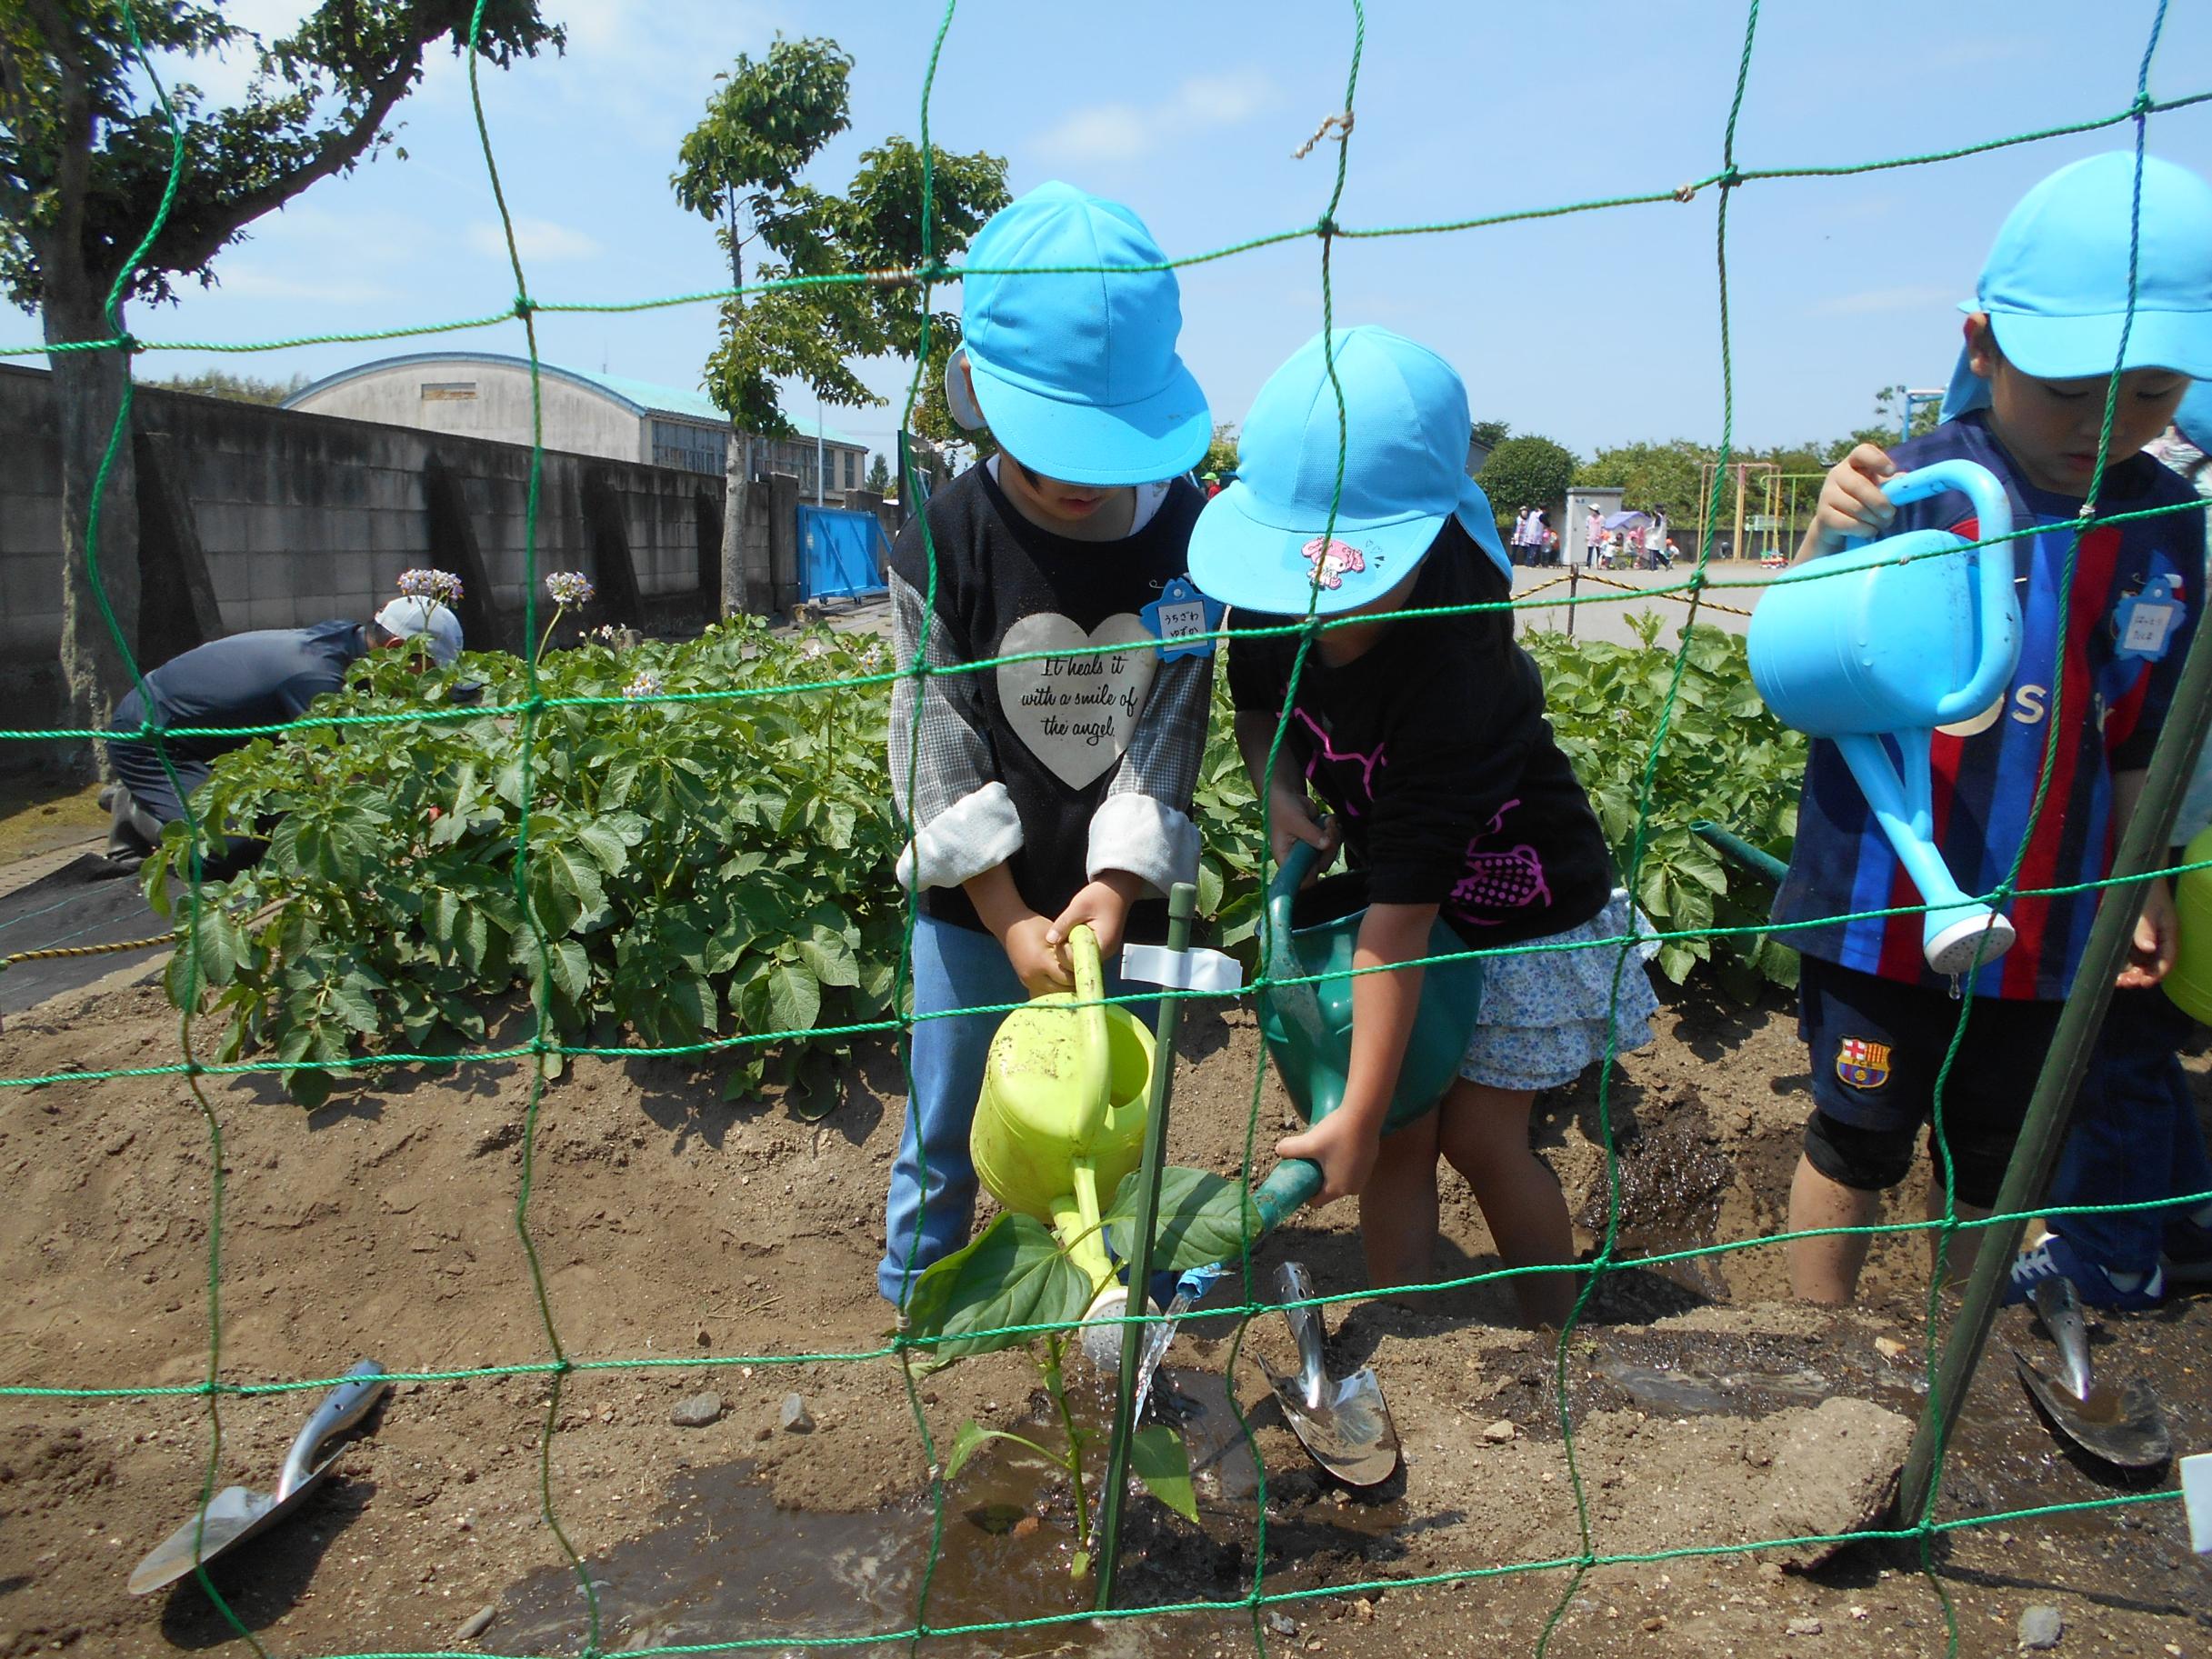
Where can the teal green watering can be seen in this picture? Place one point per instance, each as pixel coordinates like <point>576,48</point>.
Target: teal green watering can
<point>1875,653</point>
<point>1308,1027</point>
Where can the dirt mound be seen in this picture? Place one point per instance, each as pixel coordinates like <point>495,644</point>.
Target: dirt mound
<point>690,1244</point>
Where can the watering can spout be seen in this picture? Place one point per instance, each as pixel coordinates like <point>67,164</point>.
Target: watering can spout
<point>1880,645</point>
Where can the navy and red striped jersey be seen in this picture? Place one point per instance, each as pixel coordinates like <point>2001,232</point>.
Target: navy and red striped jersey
<point>2107,702</point>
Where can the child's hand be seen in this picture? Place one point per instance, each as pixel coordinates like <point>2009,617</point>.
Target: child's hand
<point>1037,959</point>
<point>1103,907</point>
<point>2157,940</point>
<point>1852,506</point>
<point>1291,821</point>
<point>1345,1151</point>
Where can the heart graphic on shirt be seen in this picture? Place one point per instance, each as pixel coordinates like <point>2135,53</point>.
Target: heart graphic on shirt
<point>1076,714</point>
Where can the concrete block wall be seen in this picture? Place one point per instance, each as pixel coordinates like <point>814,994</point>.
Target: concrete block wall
<point>304,517</point>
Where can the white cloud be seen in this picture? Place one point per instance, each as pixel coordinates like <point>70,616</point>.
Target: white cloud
<point>538,240</point>
<point>244,280</point>
<point>1116,133</point>
<point>1866,302</point>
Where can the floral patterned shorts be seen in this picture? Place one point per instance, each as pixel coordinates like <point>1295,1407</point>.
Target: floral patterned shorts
<point>1544,1012</point>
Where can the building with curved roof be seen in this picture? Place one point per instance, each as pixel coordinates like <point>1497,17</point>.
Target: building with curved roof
<point>486,394</point>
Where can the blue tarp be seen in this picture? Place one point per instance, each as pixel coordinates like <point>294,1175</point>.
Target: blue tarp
<point>840,553</point>
<point>1627,521</point>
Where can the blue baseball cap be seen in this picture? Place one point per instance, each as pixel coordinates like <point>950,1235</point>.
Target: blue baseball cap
<point>1075,371</point>
<point>2054,286</point>
<point>1259,543</point>
<point>2193,420</point>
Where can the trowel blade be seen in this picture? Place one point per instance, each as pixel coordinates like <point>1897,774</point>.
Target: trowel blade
<point>2123,1426</point>
<point>1349,1433</point>
<point>233,1514</point>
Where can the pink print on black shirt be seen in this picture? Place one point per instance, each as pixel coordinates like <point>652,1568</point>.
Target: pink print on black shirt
<point>1323,750</point>
<point>1511,879</point>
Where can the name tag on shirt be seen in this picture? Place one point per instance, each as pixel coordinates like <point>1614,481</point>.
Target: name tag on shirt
<point>1183,614</point>
<point>2145,623</point>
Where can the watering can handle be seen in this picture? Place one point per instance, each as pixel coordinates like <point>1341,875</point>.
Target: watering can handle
<point>1294,1182</point>
<point>1997,624</point>
<point>1090,988</point>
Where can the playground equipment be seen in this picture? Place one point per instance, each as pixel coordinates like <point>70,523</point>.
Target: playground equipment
<point>1916,631</point>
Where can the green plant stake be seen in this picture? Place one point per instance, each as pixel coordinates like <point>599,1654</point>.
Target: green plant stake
<point>1182,903</point>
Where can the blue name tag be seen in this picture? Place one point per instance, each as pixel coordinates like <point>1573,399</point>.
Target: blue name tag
<point>2143,625</point>
<point>1182,613</point>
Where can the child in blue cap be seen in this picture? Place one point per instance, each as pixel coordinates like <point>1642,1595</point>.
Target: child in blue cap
<point>2134,1137</point>
<point>2050,322</point>
<point>1425,738</point>
<point>1047,793</point>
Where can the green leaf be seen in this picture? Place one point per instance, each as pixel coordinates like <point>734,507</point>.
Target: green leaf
<point>1013,1273</point>
<point>1158,1457</point>
<point>1202,1218</point>
<point>830,958</point>
<point>973,1437</point>
<point>795,997</point>
<point>353,1000</point>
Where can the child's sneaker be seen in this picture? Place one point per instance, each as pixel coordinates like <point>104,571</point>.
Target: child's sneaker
<point>2054,1258</point>
<point>2187,1256</point>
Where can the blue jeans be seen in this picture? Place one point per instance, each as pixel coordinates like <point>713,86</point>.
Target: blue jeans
<point>2134,1137</point>
<point>954,967</point>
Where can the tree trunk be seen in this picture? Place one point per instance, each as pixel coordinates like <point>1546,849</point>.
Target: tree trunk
<point>738,477</point>
<point>89,388</point>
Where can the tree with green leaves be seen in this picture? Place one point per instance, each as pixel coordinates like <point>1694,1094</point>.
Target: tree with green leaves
<point>879,474</point>
<point>741,168</point>
<point>1652,475</point>
<point>233,389</point>
<point>87,151</point>
<point>1221,453</point>
<point>1489,434</point>
<point>1526,472</point>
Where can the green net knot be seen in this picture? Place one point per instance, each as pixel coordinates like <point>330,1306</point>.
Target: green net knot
<point>525,306</point>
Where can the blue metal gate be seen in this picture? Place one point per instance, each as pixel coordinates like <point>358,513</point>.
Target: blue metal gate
<point>838,553</point>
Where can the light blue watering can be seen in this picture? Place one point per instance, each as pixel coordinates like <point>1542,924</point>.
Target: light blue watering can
<point>1885,652</point>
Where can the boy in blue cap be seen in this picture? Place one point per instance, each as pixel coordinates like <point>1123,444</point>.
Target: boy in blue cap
<point>1055,792</point>
<point>2050,322</point>
<point>1446,788</point>
<point>2134,1137</point>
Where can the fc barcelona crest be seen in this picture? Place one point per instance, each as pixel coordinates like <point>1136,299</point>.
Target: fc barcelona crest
<point>1861,1063</point>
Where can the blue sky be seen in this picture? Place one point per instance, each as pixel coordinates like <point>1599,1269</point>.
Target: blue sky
<point>1593,328</point>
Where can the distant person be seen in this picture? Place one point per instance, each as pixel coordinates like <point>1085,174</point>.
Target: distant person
<point>1546,538</point>
<point>1593,535</point>
<point>1654,539</point>
<point>2048,329</point>
<point>1521,537</point>
<point>267,677</point>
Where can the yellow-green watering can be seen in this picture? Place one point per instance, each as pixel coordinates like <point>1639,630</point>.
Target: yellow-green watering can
<point>1062,1118</point>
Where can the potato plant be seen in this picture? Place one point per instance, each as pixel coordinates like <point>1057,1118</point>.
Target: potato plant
<point>695,870</point>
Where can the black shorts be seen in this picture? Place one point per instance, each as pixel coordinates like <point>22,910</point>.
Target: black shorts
<point>1876,1046</point>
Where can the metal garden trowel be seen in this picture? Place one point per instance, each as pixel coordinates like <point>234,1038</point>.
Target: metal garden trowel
<point>2123,1426</point>
<point>234,1513</point>
<point>1344,1424</point>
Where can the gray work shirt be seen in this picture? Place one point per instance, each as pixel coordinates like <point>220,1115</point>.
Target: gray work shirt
<point>263,678</point>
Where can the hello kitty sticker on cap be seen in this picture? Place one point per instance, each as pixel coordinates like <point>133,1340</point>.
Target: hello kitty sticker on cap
<point>1331,560</point>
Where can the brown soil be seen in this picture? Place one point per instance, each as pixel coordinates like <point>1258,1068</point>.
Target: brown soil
<point>674,1230</point>
<point>39,815</point>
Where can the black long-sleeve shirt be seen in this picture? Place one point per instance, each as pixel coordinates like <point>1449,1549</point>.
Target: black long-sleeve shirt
<point>1432,749</point>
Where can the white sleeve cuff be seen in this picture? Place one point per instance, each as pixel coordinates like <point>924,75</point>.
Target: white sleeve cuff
<point>1146,838</point>
<point>976,832</point>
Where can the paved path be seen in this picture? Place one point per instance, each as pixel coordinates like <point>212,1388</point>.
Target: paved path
<point>1608,619</point>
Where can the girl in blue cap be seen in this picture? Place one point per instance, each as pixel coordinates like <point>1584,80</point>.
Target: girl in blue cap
<point>1426,739</point>
<point>1052,792</point>
<point>2099,269</point>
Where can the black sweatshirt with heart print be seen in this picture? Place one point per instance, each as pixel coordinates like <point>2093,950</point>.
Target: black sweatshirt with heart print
<point>1060,767</point>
